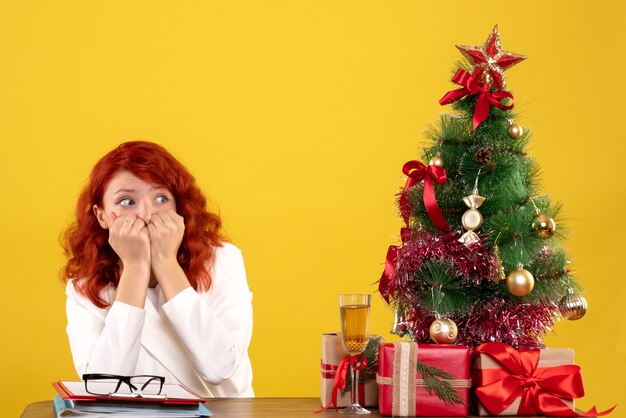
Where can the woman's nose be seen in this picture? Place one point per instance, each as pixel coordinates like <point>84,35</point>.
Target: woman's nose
<point>144,212</point>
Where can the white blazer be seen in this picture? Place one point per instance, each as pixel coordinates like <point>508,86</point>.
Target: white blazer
<point>198,339</point>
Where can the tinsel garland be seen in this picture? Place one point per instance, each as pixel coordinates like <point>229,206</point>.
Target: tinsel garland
<point>494,319</point>
<point>472,262</point>
<point>519,325</point>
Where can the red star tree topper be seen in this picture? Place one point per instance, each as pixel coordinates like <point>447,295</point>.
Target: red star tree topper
<point>490,61</point>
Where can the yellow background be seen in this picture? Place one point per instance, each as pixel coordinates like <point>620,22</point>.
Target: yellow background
<point>296,117</point>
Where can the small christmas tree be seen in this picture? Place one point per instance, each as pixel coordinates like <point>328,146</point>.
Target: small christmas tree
<point>481,257</point>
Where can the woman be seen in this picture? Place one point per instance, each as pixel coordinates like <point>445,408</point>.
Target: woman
<point>153,288</point>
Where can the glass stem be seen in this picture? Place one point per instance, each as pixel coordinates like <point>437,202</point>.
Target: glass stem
<point>355,386</point>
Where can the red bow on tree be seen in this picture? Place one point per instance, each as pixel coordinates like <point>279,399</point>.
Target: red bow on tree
<point>386,286</point>
<point>540,389</point>
<point>485,99</point>
<point>416,172</point>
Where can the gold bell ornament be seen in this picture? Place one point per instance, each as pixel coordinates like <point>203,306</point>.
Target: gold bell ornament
<point>497,272</point>
<point>573,306</point>
<point>498,275</point>
<point>443,330</point>
<point>400,326</point>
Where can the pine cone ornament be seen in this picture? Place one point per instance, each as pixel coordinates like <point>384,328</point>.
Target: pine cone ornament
<point>483,155</point>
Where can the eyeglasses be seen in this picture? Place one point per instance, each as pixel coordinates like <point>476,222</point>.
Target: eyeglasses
<point>113,385</point>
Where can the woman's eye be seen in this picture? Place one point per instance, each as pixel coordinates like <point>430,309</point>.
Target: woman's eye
<point>126,202</point>
<point>161,200</point>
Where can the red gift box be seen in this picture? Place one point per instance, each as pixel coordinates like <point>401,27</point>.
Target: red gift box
<point>401,391</point>
<point>525,382</point>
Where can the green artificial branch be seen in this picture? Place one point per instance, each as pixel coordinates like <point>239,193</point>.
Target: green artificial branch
<point>440,288</point>
<point>436,380</point>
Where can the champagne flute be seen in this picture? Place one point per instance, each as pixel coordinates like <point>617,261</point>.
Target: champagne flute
<point>355,315</point>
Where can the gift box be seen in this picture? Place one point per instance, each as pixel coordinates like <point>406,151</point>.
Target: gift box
<point>402,390</point>
<point>332,354</point>
<point>522,382</point>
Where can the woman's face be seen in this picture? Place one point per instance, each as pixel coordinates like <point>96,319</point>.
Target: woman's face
<point>127,194</point>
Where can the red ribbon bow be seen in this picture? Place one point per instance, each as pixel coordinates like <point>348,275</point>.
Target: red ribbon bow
<point>386,285</point>
<point>486,99</point>
<point>357,362</point>
<point>540,389</point>
<point>416,171</point>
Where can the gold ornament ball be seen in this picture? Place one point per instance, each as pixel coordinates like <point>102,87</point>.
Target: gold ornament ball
<point>520,282</point>
<point>573,306</point>
<point>436,160</point>
<point>543,225</point>
<point>515,131</point>
<point>443,331</point>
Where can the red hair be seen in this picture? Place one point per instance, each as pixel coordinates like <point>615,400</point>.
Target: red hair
<point>85,242</point>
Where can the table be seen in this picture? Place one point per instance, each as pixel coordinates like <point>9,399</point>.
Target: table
<point>231,407</point>
<point>234,407</point>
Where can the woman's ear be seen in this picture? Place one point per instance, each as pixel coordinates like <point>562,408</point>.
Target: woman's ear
<point>99,213</point>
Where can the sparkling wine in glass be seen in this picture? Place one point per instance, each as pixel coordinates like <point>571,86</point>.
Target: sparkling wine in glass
<point>355,316</point>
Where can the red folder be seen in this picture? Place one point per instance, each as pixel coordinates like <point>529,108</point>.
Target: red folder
<point>179,395</point>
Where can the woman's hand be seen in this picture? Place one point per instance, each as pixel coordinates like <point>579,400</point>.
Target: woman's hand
<point>166,230</point>
<point>130,239</point>
<point>166,233</point>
